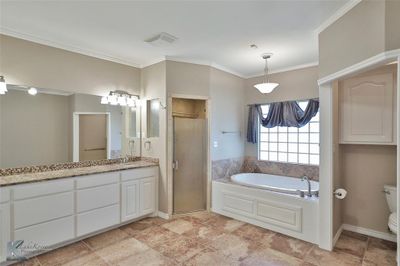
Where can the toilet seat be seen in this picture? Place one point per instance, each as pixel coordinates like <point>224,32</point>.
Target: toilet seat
<point>393,222</point>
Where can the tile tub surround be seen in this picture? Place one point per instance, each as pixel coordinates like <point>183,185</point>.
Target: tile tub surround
<point>77,169</point>
<point>225,168</point>
<point>252,165</point>
<point>209,239</point>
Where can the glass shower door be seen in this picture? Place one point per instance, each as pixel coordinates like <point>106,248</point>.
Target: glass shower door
<point>190,166</point>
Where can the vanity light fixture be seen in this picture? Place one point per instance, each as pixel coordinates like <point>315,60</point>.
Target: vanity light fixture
<point>32,91</point>
<point>121,98</point>
<point>266,86</point>
<point>3,85</point>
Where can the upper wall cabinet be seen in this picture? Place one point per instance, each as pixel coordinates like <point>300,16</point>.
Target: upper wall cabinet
<point>368,109</point>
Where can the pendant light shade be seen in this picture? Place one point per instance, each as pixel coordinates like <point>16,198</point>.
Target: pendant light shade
<point>266,86</point>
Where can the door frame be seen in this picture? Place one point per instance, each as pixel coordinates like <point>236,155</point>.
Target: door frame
<point>170,148</point>
<point>75,133</point>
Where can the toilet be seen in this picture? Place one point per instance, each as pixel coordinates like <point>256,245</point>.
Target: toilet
<point>391,198</point>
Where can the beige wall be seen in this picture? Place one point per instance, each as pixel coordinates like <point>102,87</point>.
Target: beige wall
<point>188,79</point>
<point>227,110</point>
<point>27,63</point>
<point>297,84</point>
<point>370,28</point>
<point>153,84</point>
<point>33,130</point>
<point>392,23</point>
<point>365,170</point>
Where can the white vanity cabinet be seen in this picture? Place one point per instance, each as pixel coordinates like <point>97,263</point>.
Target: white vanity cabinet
<point>368,109</point>
<point>51,213</point>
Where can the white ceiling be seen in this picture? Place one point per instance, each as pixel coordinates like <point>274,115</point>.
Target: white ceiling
<point>209,32</point>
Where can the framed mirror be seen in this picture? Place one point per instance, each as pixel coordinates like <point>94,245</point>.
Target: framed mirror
<point>153,118</point>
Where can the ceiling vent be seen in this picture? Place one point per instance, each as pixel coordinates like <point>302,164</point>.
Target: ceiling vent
<point>161,40</point>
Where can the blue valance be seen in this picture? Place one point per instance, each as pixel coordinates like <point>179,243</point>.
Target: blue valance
<point>282,114</point>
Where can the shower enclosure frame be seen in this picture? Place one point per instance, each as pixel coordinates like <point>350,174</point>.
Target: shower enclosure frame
<point>170,148</point>
<point>326,85</point>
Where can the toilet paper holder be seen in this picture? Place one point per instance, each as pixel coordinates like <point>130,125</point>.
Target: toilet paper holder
<point>340,193</point>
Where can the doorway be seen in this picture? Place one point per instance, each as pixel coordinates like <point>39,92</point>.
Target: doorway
<point>189,155</point>
<point>91,136</point>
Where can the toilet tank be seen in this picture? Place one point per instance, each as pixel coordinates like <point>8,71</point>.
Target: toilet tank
<point>391,197</point>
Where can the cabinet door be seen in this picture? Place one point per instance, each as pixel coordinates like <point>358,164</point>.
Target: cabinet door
<point>367,109</point>
<point>130,200</point>
<point>147,195</point>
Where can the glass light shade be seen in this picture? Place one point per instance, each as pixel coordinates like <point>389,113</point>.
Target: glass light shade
<point>112,99</point>
<point>104,100</point>
<point>266,87</point>
<point>32,91</point>
<point>122,100</point>
<point>131,102</point>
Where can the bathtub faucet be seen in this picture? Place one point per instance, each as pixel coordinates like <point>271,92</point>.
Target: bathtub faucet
<point>306,178</point>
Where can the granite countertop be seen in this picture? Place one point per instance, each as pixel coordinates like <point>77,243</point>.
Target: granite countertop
<point>64,173</point>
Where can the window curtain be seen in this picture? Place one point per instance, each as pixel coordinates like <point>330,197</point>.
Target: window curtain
<point>283,114</point>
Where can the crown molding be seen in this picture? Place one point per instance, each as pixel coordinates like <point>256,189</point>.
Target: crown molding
<point>70,48</point>
<point>337,15</point>
<point>379,59</point>
<point>285,69</point>
<point>204,63</point>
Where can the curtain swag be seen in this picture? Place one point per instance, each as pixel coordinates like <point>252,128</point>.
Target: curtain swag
<point>283,114</point>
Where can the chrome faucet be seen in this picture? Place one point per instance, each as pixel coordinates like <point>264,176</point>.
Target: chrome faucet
<point>306,178</point>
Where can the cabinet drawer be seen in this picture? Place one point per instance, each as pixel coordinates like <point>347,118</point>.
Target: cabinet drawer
<point>4,195</point>
<point>42,188</point>
<point>139,173</point>
<point>38,210</point>
<point>97,180</point>
<point>92,198</point>
<point>48,233</point>
<point>98,219</point>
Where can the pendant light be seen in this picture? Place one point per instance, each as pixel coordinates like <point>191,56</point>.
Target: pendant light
<point>3,85</point>
<point>266,86</point>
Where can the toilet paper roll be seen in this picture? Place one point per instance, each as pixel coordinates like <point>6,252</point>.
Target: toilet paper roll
<point>340,193</point>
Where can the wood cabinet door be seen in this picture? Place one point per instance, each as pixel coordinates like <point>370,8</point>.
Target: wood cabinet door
<point>130,200</point>
<point>367,106</point>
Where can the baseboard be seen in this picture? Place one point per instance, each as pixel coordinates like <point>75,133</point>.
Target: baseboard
<point>337,235</point>
<point>370,232</point>
<point>163,215</point>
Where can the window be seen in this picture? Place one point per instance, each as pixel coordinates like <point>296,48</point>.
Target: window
<point>290,144</point>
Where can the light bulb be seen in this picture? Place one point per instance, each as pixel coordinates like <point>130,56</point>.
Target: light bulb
<point>122,100</point>
<point>131,102</point>
<point>32,91</point>
<point>112,99</point>
<point>104,100</point>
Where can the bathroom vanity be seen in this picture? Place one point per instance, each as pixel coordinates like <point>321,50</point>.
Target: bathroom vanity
<point>61,210</point>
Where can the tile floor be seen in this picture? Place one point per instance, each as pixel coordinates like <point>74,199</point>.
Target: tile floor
<point>210,239</point>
